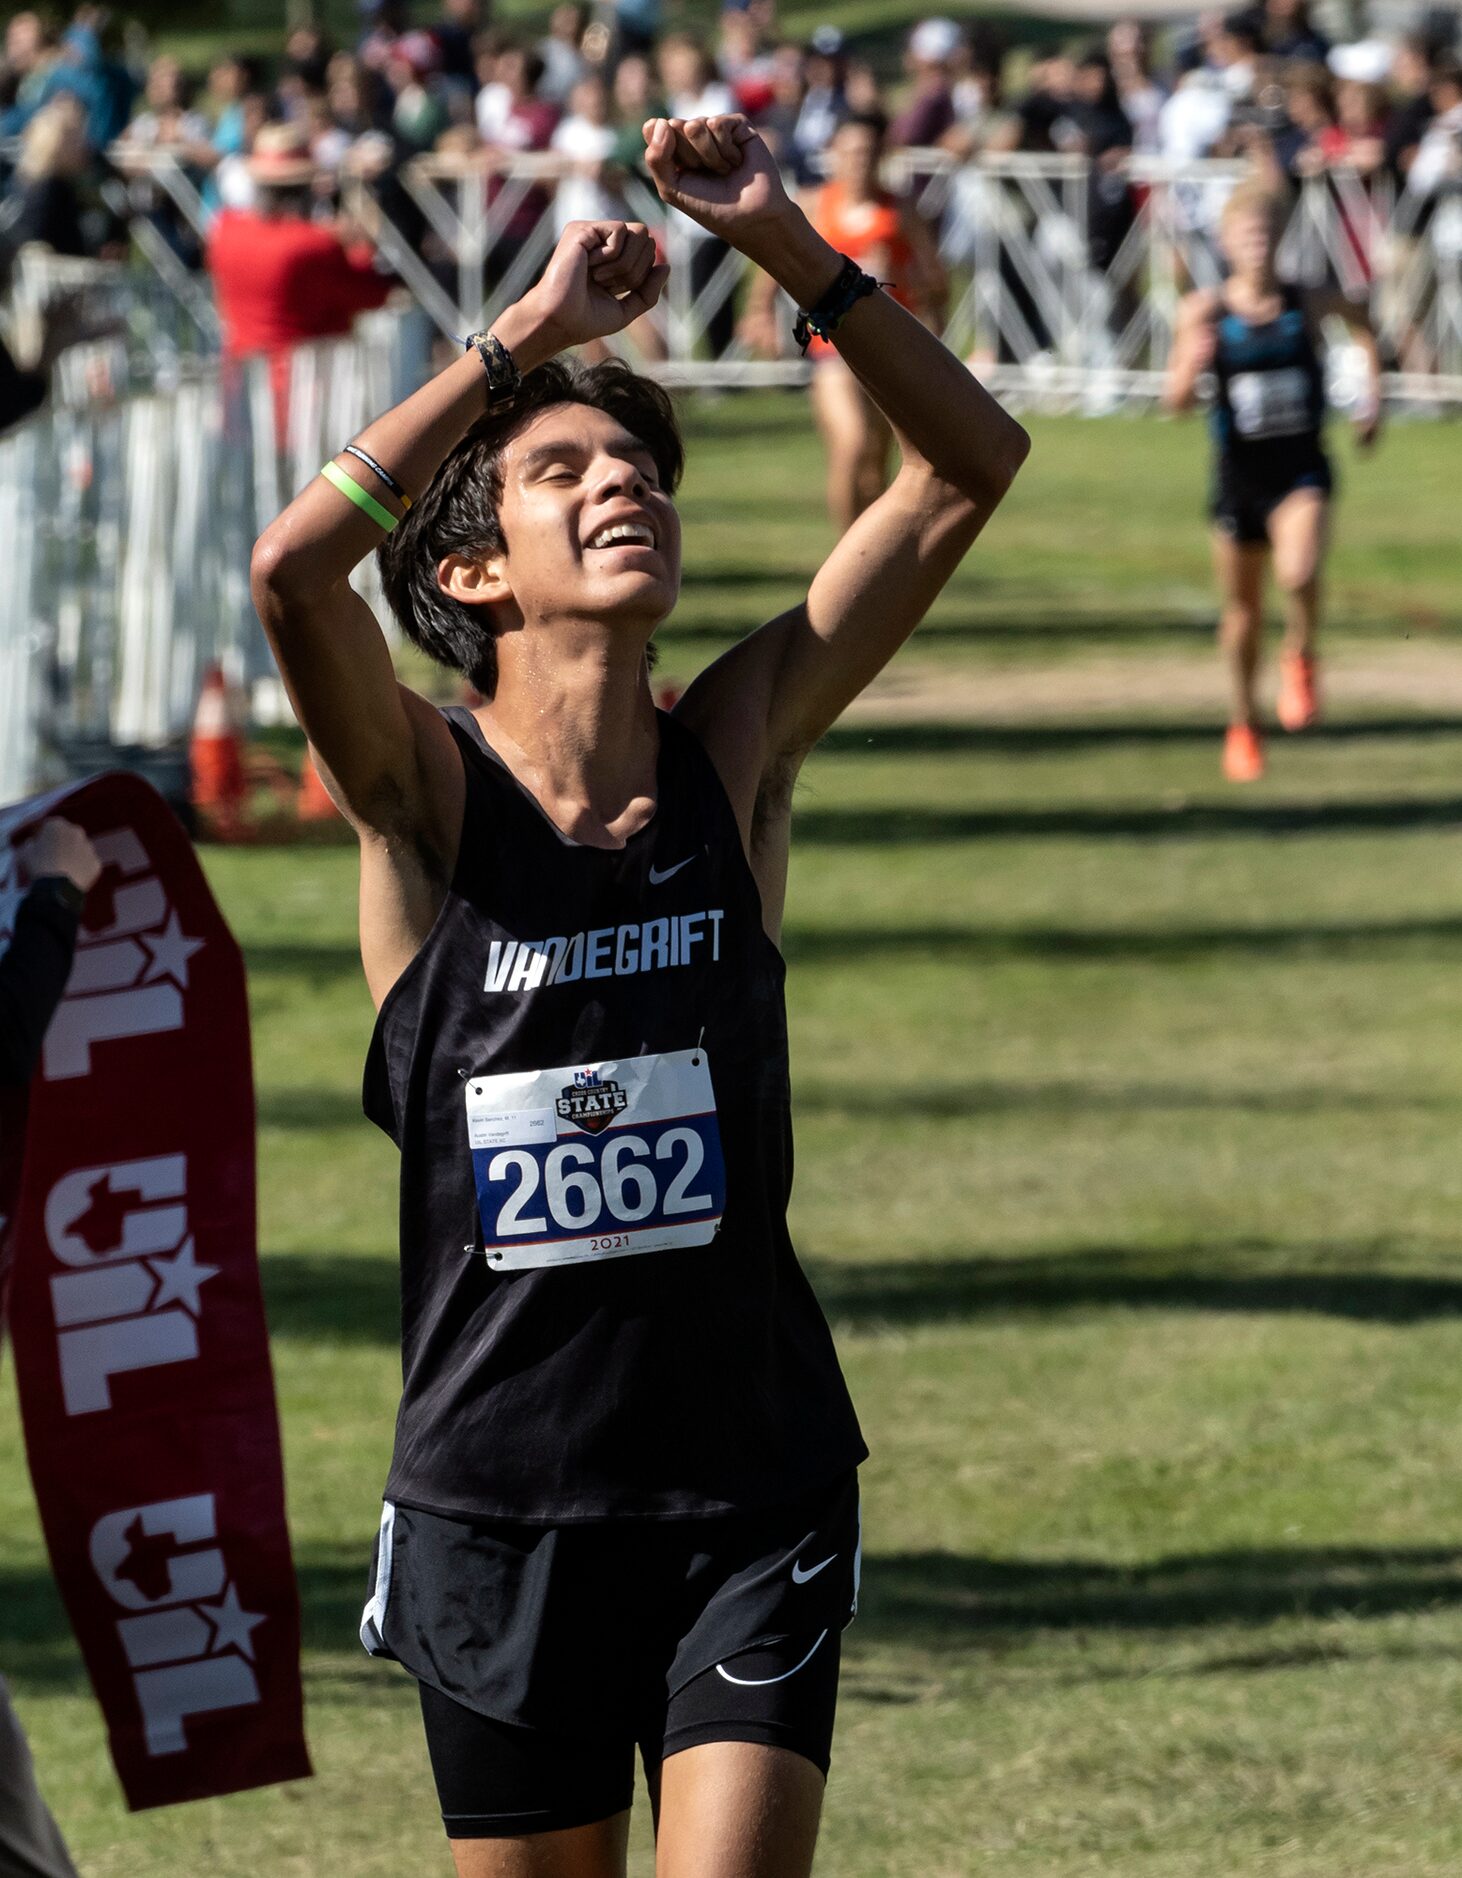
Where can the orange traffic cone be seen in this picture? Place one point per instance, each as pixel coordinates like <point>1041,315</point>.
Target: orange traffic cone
<point>313,803</point>
<point>216,758</point>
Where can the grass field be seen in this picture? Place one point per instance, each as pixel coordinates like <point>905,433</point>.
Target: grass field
<point>1128,1116</point>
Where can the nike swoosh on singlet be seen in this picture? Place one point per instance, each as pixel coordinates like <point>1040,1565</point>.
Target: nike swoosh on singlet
<point>800,1577</point>
<point>659,875</point>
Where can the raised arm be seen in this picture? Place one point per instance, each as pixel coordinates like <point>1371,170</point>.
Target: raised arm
<point>1194,343</point>
<point>379,742</point>
<point>387,755</point>
<point>770,699</point>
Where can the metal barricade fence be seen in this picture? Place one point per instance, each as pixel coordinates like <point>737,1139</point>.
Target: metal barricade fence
<point>1065,276</point>
<point>131,522</point>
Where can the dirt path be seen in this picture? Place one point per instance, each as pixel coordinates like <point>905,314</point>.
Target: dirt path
<point>1414,676</point>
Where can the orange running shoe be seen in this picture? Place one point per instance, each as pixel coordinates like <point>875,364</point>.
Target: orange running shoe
<point>1243,754</point>
<point>1299,704</point>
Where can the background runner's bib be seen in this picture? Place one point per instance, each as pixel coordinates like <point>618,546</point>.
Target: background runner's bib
<point>600,1161</point>
<point>1269,388</point>
<point>1271,404</point>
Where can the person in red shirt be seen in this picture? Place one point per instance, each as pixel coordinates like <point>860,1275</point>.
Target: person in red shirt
<point>279,278</point>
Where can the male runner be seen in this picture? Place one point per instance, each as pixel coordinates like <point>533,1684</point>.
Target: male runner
<point>1272,478</point>
<point>622,1506</point>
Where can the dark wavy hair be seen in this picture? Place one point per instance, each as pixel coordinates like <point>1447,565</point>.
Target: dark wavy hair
<point>459,511</point>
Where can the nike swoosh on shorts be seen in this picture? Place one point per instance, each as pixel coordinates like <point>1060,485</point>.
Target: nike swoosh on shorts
<point>800,1577</point>
<point>764,1682</point>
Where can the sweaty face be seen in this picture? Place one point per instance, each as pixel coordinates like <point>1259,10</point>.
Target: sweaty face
<point>590,533</point>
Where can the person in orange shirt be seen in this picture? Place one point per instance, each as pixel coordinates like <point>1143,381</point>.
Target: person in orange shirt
<point>858,217</point>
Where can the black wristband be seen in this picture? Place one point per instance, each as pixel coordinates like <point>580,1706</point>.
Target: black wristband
<point>503,377</point>
<point>364,456</point>
<point>61,888</point>
<point>851,286</point>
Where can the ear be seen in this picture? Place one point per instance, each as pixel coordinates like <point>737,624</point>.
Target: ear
<point>475,583</point>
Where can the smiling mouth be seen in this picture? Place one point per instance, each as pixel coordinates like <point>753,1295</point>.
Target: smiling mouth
<point>625,535</point>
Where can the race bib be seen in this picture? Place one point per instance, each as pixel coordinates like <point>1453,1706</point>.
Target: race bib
<point>596,1161</point>
<point>1271,404</point>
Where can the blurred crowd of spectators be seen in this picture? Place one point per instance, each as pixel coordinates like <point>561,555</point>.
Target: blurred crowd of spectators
<point>82,104</point>
<point>1262,83</point>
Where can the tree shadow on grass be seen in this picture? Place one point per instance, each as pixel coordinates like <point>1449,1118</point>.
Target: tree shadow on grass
<point>981,945</point>
<point>1246,1276</point>
<point>344,1299</point>
<point>949,1602</point>
<point>1182,820</point>
<point>1056,738</point>
<point>961,1099</point>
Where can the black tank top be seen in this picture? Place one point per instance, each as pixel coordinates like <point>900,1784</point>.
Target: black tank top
<point>1269,385</point>
<point>585,1070</point>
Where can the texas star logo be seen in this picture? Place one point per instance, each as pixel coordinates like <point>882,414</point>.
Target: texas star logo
<point>126,1296</point>
<point>182,1626</point>
<point>591,1103</point>
<point>131,969</point>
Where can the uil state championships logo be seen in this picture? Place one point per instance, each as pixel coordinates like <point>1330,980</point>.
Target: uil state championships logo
<point>590,1103</point>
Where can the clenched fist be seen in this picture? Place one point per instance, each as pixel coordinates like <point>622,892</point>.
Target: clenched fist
<point>60,847</point>
<point>718,171</point>
<point>601,277</point>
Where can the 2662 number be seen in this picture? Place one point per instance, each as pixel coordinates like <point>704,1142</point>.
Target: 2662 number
<point>579,1184</point>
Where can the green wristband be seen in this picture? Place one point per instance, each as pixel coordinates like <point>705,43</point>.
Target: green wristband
<point>362,498</point>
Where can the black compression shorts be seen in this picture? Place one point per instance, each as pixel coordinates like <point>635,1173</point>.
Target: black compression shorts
<point>545,1655</point>
<point>495,1780</point>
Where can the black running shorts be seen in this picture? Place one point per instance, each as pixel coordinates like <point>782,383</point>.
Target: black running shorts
<point>547,1654</point>
<point>1246,494</point>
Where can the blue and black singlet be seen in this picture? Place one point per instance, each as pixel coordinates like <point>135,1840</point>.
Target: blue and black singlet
<point>1268,414</point>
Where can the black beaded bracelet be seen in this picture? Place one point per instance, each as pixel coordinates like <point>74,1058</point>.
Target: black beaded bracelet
<point>823,320</point>
<point>364,456</point>
<point>503,377</point>
<point>60,887</point>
